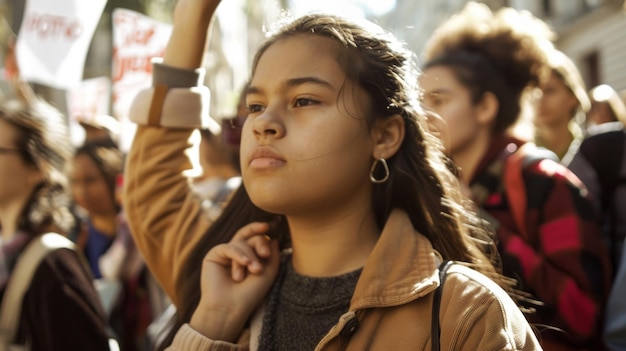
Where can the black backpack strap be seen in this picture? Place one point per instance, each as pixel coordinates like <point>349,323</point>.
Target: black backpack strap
<point>443,268</point>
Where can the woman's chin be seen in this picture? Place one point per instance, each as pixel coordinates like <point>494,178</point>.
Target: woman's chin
<point>277,204</point>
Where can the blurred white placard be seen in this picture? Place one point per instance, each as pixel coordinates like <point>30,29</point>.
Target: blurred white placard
<point>54,38</point>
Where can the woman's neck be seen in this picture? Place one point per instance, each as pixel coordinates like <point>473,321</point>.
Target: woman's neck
<point>9,224</point>
<point>556,138</point>
<point>339,244</point>
<point>468,157</point>
<point>104,223</point>
<point>10,215</point>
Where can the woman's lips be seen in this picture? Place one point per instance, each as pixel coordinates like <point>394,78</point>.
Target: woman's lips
<point>264,157</point>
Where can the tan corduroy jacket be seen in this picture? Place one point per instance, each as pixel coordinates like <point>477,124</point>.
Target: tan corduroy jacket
<point>391,305</point>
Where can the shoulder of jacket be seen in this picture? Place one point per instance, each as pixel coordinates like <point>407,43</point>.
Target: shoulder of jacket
<point>541,165</point>
<point>60,267</point>
<point>467,275</point>
<point>474,307</point>
<point>472,290</point>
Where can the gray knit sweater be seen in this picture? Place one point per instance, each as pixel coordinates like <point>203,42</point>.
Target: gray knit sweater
<point>301,309</point>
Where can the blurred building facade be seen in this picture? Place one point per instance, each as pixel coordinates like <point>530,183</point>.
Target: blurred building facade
<point>591,32</point>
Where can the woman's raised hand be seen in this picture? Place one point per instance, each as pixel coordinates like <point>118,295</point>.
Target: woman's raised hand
<point>236,276</point>
<point>186,45</point>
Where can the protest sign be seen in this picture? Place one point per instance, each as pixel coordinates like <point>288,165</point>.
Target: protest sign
<point>90,98</point>
<point>54,38</point>
<point>136,40</point>
<point>87,102</point>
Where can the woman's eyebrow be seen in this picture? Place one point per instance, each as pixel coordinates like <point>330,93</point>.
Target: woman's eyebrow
<point>309,80</point>
<point>294,82</point>
<point>438,91</point>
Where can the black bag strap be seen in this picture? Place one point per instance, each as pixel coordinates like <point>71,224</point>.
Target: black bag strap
<point>443,268</point>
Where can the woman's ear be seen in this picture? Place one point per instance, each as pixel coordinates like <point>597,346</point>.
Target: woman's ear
<point>388,135</point>
<point>487,108</point>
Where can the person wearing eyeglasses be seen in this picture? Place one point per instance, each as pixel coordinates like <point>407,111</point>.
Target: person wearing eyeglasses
<point>60,309</point>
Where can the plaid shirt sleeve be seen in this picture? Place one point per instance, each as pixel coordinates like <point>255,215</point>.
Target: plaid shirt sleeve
<point>560,258</point>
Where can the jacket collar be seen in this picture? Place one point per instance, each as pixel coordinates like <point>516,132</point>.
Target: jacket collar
<point>497,145</point>
<point>401,268</point>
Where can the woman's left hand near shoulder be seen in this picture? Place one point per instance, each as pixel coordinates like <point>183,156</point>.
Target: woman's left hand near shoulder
<point>236,276</point>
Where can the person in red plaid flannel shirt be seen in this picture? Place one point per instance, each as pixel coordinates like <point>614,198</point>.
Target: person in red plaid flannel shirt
<point>479,67</point>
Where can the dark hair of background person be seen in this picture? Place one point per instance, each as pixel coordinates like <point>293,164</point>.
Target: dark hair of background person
<point>109,161</point>
<point>505,60</point>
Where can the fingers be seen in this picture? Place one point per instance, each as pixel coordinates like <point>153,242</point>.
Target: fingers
<point>253,242</point>
<point>254,252</point>
<point>252,229</point>
<point>247,252</point>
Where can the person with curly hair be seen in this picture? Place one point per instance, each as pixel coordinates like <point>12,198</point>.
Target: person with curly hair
<point>479,67</point>
<point>60,309</point>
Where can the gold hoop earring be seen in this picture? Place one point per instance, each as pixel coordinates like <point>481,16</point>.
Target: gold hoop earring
<point>383,162</point>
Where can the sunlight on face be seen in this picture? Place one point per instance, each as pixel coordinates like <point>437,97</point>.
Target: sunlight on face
<point>305,144</point>
<point>555,104</point>
<point>447,97</point>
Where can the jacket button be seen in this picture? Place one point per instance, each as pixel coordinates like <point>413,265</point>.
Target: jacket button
<point>350,328</point>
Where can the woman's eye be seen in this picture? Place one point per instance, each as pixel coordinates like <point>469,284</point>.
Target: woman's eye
<point>252,108</point>
<point>433,102</point>
<point>304,102</point>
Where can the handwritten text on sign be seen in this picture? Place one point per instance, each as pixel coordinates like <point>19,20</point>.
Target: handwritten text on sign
<point>136,40</point>
<point>52,26</point>
<point>137,37</point>
<point>54,38</point>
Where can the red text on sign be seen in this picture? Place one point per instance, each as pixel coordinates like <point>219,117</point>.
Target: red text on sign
<point>48,26</point>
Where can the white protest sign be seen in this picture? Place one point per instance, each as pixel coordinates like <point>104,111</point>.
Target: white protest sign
<point>85,102</point>
<point>136,40</point>
<point>90,98</point>
<point>54,38</point>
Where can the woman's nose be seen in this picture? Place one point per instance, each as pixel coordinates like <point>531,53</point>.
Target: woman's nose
<point>269,125</point>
